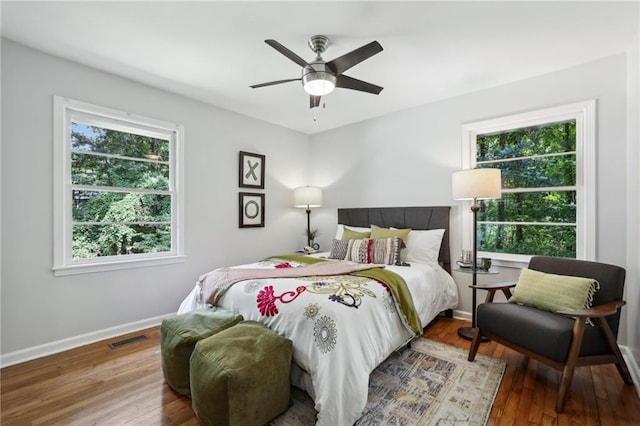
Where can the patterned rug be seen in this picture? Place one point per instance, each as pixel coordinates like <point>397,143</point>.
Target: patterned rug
<point>429,384</point>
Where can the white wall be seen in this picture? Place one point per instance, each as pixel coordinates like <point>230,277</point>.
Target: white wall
<point>633,200</point>
<point>38,308</point>
<point>407,158</point>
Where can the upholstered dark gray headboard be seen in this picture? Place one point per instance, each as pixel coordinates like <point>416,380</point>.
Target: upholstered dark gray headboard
<point>403,217</point>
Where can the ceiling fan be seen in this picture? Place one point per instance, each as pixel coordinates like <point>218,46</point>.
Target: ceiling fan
<point>319,77</point>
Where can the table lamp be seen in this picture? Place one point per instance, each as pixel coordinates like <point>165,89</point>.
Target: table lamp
<point>308,197</point>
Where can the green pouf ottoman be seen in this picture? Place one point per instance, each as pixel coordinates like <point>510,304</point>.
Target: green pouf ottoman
<point>240,376</point>
<point>178,337</point>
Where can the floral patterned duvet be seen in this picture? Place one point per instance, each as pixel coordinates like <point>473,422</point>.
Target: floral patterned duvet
<point>342,327</point>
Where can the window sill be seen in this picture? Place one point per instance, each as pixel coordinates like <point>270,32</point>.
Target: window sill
<point>515,264</point>
<point>504,260</point>
<point>60,271</point>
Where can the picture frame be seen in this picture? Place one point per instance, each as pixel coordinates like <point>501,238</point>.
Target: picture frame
<point>252,167</point>
<point>251,210</point>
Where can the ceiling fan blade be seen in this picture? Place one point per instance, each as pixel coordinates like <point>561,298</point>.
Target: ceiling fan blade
<point>271,83</point>
<point>314,101</point>
<point>288,53</point>
<point>346,82</point>
<point>346,61</point>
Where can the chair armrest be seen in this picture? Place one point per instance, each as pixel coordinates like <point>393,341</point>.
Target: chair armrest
<point>596,311</point>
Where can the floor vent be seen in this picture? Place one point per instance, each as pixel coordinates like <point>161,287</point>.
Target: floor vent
<point>133,339</point>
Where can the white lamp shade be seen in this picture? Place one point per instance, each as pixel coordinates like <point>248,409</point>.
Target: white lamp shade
<point>307,196</point>
<point>481,184</point>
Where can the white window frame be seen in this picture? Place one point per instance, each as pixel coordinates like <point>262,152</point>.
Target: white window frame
<point>66,111</point>
<point>584,114</point>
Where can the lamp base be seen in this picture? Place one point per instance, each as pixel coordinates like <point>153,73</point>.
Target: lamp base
<point>467,333</point>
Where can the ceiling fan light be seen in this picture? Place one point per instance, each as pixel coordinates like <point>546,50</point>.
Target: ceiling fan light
<point>319,83</point>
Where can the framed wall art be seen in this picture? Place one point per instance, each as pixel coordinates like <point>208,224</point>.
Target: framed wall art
<point>251,210</point>
<point>251,170</point>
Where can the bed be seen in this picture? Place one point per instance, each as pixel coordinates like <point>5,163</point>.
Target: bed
<point>345,317</point>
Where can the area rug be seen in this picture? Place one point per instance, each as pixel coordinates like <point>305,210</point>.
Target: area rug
<point>430,383</point>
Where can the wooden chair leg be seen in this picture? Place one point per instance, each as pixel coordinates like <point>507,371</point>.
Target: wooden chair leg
<point>565,385</point>
<point>567,373</point>
<point>475,344</point>
<point>613,345</point>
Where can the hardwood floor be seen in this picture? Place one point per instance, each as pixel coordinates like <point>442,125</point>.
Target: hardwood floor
<point>98,385</point>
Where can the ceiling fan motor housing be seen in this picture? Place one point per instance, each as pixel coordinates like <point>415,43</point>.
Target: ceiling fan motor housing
<point>318,79</point>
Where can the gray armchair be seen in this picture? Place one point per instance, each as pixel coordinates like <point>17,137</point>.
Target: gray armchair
<point>561,340</point>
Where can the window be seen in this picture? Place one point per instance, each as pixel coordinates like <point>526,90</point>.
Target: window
<point>117,194</point>
<point>548,183</point>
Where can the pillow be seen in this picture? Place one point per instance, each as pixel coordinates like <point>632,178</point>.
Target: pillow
<point>341,228</point>
<point>378,232</point>
<point>552,292</point>
<point>423,246</point>
<point>349,234</point>
<point>381,251</point>
<point>338,249</point>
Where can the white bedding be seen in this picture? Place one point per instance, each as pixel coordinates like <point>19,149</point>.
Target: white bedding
<point>335,344</point>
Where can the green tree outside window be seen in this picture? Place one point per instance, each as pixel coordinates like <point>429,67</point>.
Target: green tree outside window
<point>537,212</point>
<point>121,195</point>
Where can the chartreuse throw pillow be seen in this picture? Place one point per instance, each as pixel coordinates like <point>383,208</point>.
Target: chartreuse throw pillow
<point>552,292</point>
<point>381,233</point>
<point>350,234</point>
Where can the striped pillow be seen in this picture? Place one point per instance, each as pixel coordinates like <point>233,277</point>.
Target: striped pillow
<point>339,249</point>
<point>553,292</point>
<point>384,251</point>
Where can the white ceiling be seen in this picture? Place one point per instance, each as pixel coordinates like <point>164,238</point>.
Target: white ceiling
<point>213,51</point>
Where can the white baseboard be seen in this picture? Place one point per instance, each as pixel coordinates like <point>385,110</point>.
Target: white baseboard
<point>462,315</point>
<point>634,369</point>
<point>39,351</point>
